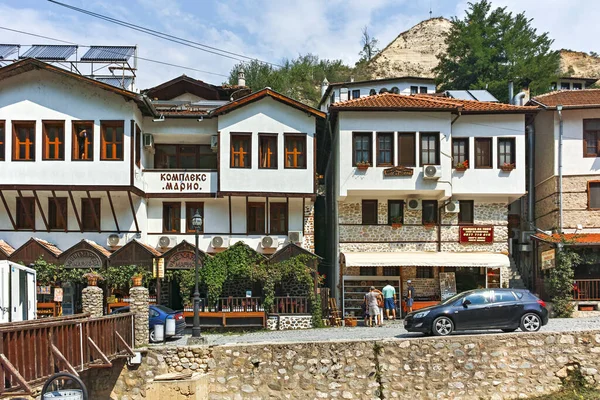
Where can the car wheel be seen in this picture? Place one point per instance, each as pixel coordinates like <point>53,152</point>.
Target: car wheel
<point>509,330</point>
<point>442,326</point>
<point>531,322</point>
<point>152,336</point>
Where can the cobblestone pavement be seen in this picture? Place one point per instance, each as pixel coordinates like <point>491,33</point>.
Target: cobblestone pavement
<point>391,329</point>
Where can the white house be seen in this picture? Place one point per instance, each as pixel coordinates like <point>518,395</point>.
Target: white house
<point>420,185</point>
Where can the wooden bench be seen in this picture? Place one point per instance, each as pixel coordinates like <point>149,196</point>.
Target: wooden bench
<point>216,319</point>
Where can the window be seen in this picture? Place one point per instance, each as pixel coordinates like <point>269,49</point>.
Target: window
<point>594,195</point>
<point>577,86</point>
<point>478,298</point>
<point>361,148</point>
<point>395,212</point>
<point>83,141</point>
<point>190,211</point>
<point>138,146</point>
<point>53,140</point>
<point>423,89</point>
<point>414,89</point>
<point>565,86</point>
<point>430,211</point>
<point>25,213</point>
<point>171,217</point>
<point>2,141</point>
<point>189,156</point>
<point>483,153</point>
<point>372,92</point>
<point>460,152</point>
<point>406,150</point>
<point>279,218</point>
<point>424,273</point>
<point>24,141</point>
<point>369,212</point>
<point>430,150</point>
<point>385,149</point>
<point>267,151</point>
<point>90,214</point>
<point>111,140</point>
<point>391,271</point>
<point>332,100</point>
<point>591,137</point>
<point>57,213</point>
<point>506,151</point>
<point>295,151</point>
<point>356,94</point>
<point>368,271</point>
<point>465,214</point>
<point>241,155</point>
<point>504,297</point>
<point>256,219</point>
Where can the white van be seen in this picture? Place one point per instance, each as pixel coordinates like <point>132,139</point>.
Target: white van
<point>18,296</point>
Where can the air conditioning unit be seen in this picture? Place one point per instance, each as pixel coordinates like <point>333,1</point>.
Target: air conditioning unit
<point>413,204</point>
<point>148,140</point>
<point>295,237</point>
<point>115,240</point>
<point>526,236</point>
<point>453,207</point>
<point>167,241</point>
<point>432,172</point>
<point>269,242</point>
<point>219,242</point>
<point>214,143</point>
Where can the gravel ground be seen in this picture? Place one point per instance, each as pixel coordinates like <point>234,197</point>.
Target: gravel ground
<point>391,329</point>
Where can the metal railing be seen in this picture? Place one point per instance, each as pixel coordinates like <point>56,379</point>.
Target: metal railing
<point>290,305</point>
<point>586,289</point>
<point>32,351</point>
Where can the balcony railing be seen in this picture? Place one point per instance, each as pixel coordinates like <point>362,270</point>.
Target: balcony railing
<point>586,289</point>
<point>290,305</point>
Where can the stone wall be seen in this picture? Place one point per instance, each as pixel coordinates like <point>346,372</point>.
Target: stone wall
<point>139,306</point>
<point>308,239</point>
<point>92,301</point>
<point>289,322</point>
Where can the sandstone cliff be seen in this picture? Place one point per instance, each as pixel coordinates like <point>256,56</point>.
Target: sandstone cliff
<point>579,64</point>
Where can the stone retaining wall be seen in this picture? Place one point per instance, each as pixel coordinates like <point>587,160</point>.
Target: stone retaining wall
<point>289,322</point>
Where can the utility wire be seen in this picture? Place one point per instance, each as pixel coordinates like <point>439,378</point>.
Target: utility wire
<point>116,53</point>
<point>166,36</point>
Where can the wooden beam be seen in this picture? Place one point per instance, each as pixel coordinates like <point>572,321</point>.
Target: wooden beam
<point>112,208</point>
<point>93,210</point>
<point>12,221</point>
<point>230,217</point>
<point>60,213</point>
<point>267,219</point>
<point>28,217</point>
<point>62,358</point>
<point>75,211</point>
<point>37,201</point>
<point>287,211</point>
<point>246,215</point>
<point>137,227</point>
<point>303,205</point>
<point>124,343</point>
<point>7,366</point>
<point>93,345</point>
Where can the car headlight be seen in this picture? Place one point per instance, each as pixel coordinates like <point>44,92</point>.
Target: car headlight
<point>421,314</point>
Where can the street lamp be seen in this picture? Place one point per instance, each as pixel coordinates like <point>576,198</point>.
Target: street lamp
<point>197,224</point>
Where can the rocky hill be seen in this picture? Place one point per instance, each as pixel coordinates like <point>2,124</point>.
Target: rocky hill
<point>414,53</point>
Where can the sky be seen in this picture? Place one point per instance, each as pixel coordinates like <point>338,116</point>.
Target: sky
<point>269,30</point>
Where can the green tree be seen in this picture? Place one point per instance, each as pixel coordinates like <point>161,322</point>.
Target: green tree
<point>489,48</point>
<point>560,283</point>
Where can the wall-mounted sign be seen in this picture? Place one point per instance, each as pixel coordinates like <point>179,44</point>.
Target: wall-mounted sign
<point>83,259</point>
<point>548,259</point>
<point>161,267</point>
<point>180,182</point>
<point>476,234</point>
<point>58,295</point>
<point>181,260</point>
<point>398,171</point>
<point>44,290</point>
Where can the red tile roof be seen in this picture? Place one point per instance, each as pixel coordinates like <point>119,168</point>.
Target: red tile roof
<point>6,248</point>
<point>52,248</point>
<point>101,249</point>
<point>571,238</point>
<point>150,248</point>
<point>422,102</point>
<point>587,98</point>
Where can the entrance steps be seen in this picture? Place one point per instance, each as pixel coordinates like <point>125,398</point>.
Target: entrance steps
<point>514,277</point>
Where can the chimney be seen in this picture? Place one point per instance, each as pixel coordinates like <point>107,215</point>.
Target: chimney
<point>511,92</point>
<point>241,77</point>
<point>324,86</point>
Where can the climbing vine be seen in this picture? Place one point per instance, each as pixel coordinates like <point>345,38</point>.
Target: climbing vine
<point>119,278</point>
<point>560,283</point>
<point>52,274</point>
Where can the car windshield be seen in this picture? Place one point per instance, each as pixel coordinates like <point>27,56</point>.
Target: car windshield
<point>453,298</point>
<point>164,309</point>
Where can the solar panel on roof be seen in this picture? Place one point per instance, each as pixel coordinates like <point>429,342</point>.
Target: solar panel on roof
<point>460,94</point>
<point>8,49</point>
<point>117,81</point>
<point>483,95</point>
<point>108,53</point>
<point>49,52</point>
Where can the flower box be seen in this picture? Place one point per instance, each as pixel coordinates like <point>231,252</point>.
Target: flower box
<point>137,280</point>
<point>460,169</point>
<point>362,166</point>
<point>507,167</point>
<point>396,225</point>
<point>462,166</point>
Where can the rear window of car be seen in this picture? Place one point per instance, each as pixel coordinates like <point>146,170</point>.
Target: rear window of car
<point>503,297</point>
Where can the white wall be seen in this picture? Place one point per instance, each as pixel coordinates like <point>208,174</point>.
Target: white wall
<point>544,145</point>
<point>42,95</point>
<point>573,161</point>
<point>266,116</point>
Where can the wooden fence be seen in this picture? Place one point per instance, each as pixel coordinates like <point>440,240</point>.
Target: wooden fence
<point>586,289</point>
<point>32,351</point>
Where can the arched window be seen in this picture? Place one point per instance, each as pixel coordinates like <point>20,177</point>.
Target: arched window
<point>395,90</point>
<point>383,90</point>
<point>372,92</point>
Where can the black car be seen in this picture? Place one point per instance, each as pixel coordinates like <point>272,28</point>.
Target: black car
<point>481,309</point>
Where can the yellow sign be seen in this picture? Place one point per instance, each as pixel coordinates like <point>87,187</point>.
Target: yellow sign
<point>161,267</point>
<point>154,267</point>
<point>548,258</point>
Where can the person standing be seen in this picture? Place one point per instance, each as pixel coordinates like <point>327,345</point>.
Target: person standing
<point>410,298</point>
<point>389,299</point>
<point>371,299</point>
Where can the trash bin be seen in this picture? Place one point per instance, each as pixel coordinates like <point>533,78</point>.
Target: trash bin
<point>170,330</point>
<point>159,332</point>
<point>66,394</point>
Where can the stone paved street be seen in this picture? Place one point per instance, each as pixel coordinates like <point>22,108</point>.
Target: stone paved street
<point>392,329</point>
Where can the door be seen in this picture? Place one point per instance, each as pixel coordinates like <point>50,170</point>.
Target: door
<point>32,296</point>
<point>507,309</point>
<point>23,294</point>
<point>4,293</point>
<point>475,313</point>
<point>16,309</point>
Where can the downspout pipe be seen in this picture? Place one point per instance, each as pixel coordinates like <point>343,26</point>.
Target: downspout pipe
<point>560,168</point>
<point>518,99</point>
<point>531,154</point>
<point>511,90</point>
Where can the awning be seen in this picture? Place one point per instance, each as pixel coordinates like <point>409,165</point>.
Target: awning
<point>426,259</point>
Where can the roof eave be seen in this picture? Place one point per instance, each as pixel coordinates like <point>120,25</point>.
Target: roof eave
<point>338,109</point>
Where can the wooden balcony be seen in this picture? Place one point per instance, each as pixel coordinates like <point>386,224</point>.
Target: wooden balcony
<point>586,289</point>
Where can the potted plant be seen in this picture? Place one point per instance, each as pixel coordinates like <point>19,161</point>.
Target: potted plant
<point>93,278</point>
<point>396,222</point>
<point>462,166</point>
<point>507,167</point>
<point>429,225</point>
<point>137,279</point>
<point>363,165</point>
